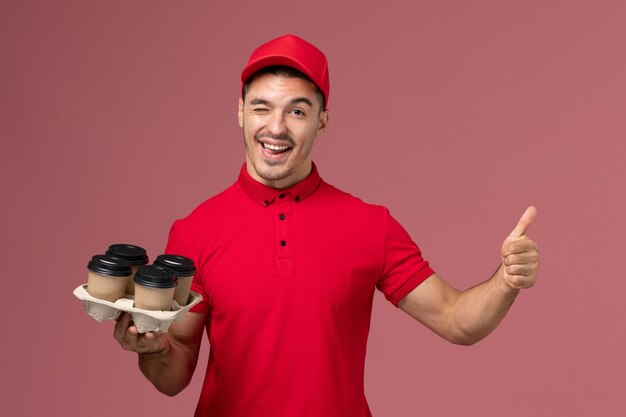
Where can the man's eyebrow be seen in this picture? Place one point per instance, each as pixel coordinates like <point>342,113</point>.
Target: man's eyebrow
<point>256,101</point>
<point>301,100</point>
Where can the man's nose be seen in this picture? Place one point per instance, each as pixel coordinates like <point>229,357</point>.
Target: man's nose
<point>276,124</point>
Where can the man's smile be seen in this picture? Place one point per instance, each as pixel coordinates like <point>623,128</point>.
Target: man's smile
<point>273,146</point>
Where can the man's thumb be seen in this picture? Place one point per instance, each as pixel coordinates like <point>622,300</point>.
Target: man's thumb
<point>527,218</point>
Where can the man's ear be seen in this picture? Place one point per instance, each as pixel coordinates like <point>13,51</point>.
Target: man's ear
<point>323,122</point>
<point>240,112</point>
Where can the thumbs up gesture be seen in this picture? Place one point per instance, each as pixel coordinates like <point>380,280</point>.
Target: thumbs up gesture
<point>520,257</point>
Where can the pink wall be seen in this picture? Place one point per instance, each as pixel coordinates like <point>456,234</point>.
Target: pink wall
<point>117,117</point>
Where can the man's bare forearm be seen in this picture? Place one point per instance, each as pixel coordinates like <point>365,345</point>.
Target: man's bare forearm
<point>465,317</point>
<point>169,370</point>
<point>480,309</point>
<point>168,360</point>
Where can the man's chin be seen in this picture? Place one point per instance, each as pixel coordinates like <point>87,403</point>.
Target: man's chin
<point>271,171</point>
<point>272,174</point>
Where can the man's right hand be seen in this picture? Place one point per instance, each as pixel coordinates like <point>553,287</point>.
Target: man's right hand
<point>130,339</point>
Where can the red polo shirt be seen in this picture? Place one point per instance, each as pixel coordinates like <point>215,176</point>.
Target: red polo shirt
<point>288,278</point>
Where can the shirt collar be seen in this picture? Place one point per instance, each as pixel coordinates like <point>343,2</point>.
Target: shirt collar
<point>265,195</point>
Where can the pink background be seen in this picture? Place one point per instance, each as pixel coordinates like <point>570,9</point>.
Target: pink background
<point>117,117</point>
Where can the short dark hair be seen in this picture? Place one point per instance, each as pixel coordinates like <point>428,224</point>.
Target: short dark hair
<point>284,71</point>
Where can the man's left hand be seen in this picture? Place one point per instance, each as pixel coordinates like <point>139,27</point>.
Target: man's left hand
<point>520,257</point>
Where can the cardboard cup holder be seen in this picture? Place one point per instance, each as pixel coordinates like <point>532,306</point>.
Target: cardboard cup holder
<point>144,320</point>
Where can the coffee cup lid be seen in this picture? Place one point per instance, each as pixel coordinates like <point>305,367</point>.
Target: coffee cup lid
<point>182,266</point>
<point>155,276</point>
<point>109,265</point>
<point>134,254</point>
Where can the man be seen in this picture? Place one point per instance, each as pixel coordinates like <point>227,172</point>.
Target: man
<point>288,264</point>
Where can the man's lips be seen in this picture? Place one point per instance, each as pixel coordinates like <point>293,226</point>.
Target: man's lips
<point>271,146</point>
<point>275,148</point>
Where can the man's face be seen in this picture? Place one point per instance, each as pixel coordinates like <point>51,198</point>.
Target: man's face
<point>280,119</point>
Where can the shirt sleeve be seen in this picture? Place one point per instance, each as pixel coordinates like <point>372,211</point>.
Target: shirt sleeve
<point>404,268</point>
<point>177,245</point>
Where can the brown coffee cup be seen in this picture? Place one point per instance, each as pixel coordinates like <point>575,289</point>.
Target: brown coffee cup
<point>107,277</point>
<point>154,288</point>
<point>135,255</point>
<point>184,269</point>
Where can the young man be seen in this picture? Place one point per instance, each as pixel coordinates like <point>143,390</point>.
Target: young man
<point>288,264</point>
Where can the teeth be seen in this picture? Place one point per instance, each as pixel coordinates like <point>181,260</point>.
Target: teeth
<point>275,147</point>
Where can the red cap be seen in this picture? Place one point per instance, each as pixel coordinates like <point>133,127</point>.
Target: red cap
<point>291,51</point>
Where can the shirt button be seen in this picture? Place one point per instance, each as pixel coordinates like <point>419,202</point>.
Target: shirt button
<point>266,203</point>
<point>283,243</point>
<point>297,199</point>
<point>281,216</point>
<point>281,196</point>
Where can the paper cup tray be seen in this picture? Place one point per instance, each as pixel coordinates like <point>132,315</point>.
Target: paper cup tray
<point>144,320</point>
